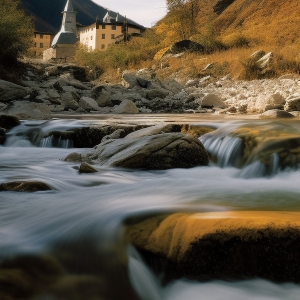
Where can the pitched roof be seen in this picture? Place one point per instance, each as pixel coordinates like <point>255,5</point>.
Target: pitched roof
<point>69,6</point>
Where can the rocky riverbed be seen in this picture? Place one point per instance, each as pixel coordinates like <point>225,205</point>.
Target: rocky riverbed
<point>64,89</point>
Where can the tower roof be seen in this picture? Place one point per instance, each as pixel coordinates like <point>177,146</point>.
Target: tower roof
<point>69,6</point>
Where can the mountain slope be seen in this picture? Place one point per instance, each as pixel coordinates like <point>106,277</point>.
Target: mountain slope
<point>268,21</point>
<point>48,17</point>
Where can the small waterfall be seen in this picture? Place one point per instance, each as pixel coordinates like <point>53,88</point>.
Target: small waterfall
<point>54,142</point>
<point>142,279</point>
<point>225,150</point>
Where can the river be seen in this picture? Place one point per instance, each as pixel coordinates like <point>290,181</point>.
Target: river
<point>80,222</point>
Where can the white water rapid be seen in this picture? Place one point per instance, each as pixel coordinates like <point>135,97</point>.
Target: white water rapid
<point>82,217</point>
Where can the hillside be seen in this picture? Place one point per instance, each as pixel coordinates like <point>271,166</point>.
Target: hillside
<point>47,13</point>
<point>263,22</point>
<point>268,21</point>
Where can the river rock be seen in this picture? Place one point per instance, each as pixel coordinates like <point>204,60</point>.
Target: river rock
<point>129,79</point>
<point>24,186</point>
<point>86,168</point>
<point>104,99</point>
<point>156,93</point>
<point>156,152</point>
<point>292,104</point>
<point>69,101</point>
<point>276,113</point>
<point>212,100</point>
<point>126,107</point>
<point>74,157</point>
<point>10,91</point>
<point>88,104</point>
<point>117,134</point>
<point>8,122</point>
<point>221,245</point>
<point>2,135</point>
<point>28,110</point>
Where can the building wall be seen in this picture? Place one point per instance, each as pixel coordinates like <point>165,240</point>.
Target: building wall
<point>99,38</point>
<point>41,42</point>
<point>66,52</point>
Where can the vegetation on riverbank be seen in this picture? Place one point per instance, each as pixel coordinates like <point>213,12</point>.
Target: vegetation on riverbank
<point>16,31</point>
<point>229,36</point>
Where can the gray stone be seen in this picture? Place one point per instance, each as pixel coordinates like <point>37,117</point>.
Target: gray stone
<point>28,110</point>
<point>292,104</point>
<point>8,122</point>
<point>161,151</point>
<point>129,79</point>
<point>74,157</point>
<point>10,91</point>
<point>88,104</point>
<point>86,168</point>
<point>276,113</point>
<point>68,101</point>
<point>126,107</point>
<point>104,99</point>
<point>212,100</point>
<point>157,93</point>
<point>24,186</point>
<point>117,134</point>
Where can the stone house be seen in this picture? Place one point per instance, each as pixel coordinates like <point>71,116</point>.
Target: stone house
<point>111,29</point>
<point>41,41</point>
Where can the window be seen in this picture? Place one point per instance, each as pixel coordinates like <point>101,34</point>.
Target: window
<point>91,38</point>
<point>35,45</point>
<point>91,48</point>
<point>41,45</point>
<point>112,36</point>
<point>113,27</point>
<point>102,46</point>
<point>35,35</point>
<point>103,26</point>
<point>103,36</point>
<point>41,36</point>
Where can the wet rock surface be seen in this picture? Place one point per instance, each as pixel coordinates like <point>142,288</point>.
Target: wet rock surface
<point>156,152</point>
<point>238,245</point>
<point>24,186</point>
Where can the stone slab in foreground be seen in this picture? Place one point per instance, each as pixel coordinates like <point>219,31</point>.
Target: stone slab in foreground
<point>222,245</point>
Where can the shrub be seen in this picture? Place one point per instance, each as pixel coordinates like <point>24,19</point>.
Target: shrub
<point>16,31</point>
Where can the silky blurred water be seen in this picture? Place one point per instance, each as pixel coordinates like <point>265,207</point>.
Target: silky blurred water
<point>94,206</point>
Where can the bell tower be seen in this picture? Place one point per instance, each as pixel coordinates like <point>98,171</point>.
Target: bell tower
<point>69,18</point>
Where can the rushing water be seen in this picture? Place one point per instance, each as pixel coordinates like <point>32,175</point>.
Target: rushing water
<point>82,216</point>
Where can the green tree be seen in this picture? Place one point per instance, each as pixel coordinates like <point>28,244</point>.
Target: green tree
<point>16,31</point>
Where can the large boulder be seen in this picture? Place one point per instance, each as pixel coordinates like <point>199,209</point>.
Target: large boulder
<point>292,104</point>
<point>212,100</point>
<point>8,122</point>
<point>10,91</point>
<point>24,186</point>
<point>126,107</point>
<point>276,113</point>
<point>221,245</point>
<point>88,104</point>
<point>157,152</point>
<point>28,110</point>
<point>70,101</point>
<point>129,79</point>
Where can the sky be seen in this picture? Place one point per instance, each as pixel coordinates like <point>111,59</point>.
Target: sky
<point>144,12</point>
